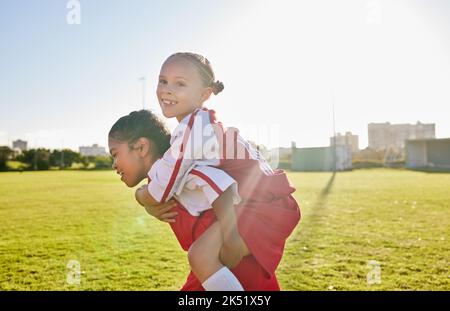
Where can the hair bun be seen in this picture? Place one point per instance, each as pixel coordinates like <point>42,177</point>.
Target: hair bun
<point>217,87</point>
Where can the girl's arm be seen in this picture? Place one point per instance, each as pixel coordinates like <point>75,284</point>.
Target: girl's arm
<point>157,210</point>
<point>144,198</point>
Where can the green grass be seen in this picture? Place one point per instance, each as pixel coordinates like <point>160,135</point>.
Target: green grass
<point>16,165</point>
<point>399,218</point>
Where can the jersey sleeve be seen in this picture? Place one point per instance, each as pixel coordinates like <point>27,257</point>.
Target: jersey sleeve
<point>193,142</point>
<point>212,182</point>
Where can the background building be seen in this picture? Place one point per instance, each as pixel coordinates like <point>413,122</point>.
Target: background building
<point>20,144</point>
<point>384,136</point>
<point>94,150</point>
<point>346,140</point>
<point>433,154</point>
<point>282,152</point>
<point>321,158</point>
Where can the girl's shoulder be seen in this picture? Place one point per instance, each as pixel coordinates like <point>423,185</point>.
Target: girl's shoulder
<point>200,117</point>
<point>199,123</point>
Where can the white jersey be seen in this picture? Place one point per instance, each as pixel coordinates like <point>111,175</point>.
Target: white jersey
<point>203,186</point>
<point>196,142</point>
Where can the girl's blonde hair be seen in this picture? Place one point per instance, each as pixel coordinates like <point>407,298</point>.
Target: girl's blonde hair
<point>204,69</point>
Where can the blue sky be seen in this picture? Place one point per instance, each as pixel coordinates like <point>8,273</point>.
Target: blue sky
<point>280,61</point>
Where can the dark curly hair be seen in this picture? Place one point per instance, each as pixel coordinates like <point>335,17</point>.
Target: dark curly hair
<point>204,69</point>
<point>142,123</point>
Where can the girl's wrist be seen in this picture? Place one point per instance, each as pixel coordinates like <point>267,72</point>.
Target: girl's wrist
<point>231,234</point>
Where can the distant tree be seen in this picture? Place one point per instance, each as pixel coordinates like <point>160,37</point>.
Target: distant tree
<point>38,159</point>
<point>68,157</point>
<point>102,162</point>
<point>90,159</point>
<point>367,158</point>
<point>5,155</point>
<point>85,161</point>
<point>369,154</point>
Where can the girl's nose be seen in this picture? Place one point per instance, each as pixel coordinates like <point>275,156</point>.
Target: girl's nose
<point>167,89</point>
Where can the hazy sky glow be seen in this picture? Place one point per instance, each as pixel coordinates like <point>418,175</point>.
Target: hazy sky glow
<point>280,61</point>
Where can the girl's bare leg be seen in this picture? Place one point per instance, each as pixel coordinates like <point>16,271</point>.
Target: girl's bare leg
<point>203,254</point>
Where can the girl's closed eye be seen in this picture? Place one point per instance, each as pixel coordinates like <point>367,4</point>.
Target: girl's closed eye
<point>179,83</point>
<point>162,81</point>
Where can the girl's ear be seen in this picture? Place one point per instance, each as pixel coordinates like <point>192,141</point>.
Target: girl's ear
<point>206,93</point>
<point>142,145</point>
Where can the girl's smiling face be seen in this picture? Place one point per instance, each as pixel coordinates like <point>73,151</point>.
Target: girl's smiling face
<point>128,162</point>
<point>180,88</point>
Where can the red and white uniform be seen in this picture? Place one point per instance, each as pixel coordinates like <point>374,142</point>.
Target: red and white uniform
<point>197,141</point>
<point>169,174</point>
<point>267,212</point>
<point>202,187</point>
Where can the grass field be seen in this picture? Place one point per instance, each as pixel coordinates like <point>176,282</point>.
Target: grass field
<point>400,219</point>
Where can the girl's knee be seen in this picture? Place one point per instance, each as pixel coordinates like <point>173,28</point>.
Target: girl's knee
<point>197,256</point>
<point>203,263</point>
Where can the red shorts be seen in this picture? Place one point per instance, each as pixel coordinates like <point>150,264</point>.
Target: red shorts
<point>264,222</point>
<point>249,272</point>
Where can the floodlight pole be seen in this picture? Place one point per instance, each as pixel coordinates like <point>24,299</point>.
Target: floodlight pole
<point>35,159</point>
<point>35,156</point>
<point>142,79</point>
<point>334,131</point>
<point>62,154</point>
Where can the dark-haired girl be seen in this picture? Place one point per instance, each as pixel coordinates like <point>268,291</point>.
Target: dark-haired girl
<point>264,213</point>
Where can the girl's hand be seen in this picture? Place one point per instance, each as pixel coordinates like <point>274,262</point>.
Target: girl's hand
<point>232,251</point>
<point>162,211</point>
<point>139,193</point>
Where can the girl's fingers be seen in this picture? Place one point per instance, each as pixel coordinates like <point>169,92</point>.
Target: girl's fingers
<point>167,208</point>
<point>169,215</point>
<point>159,210</point>
<point>171,202</point>
<point>172,215</point>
